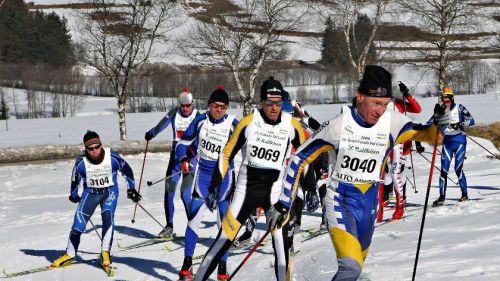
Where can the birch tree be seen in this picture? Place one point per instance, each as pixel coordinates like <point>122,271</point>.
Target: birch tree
<point>120,36</point>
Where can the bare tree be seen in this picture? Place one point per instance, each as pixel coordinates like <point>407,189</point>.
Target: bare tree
<point>120,36</point>
<point>444,19</point>
<point>242,43</point>
<point>344,14</point>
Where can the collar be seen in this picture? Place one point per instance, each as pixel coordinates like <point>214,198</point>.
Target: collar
<point>358,118</point>
<point>211,119</point>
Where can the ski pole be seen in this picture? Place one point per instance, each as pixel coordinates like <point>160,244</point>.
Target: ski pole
<point>494,155</point>
<point>438,168</point>
<point>413,170</point>
<point>93,225</point>
<point>149,214</point>
<point>249,254</point>
<point>150,183</point>
<point>140,179</point>
<point>429,182</point>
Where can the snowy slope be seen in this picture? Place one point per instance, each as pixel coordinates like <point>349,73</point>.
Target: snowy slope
<point>460,242</point>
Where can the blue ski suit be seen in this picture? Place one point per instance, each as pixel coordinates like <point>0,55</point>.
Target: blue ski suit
<point>102,191</point>
<point>455,144</point>
<point>179,125</point>
<point>208,144</point>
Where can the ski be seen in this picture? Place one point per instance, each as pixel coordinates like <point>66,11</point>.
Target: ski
<point>110,271</point>
<point>391,220</point>
<point>169,249</point>
<point>34,270</point>
<point>148,242</point>
<point>312,233</point>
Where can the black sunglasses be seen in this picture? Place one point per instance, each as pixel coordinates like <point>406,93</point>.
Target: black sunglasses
<point>93,148</point>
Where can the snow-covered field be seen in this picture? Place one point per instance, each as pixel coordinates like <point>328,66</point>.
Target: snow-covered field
<point>461,241</point>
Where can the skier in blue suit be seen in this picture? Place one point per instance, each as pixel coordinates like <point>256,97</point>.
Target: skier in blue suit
<point>207,135</point>
<point>180,118</point>
<point>454,144</point>
<point>98,170</point>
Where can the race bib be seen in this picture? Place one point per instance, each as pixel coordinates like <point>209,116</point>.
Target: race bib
<point>267,144</point>
<point>181,124</point>
<point>99,176</point>
<point>213,138</point>
<point>454,118</point>
<point>361,150</point>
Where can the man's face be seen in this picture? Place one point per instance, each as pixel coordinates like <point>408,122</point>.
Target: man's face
<point>371,108</point>
<point>272,107</point>
<point>446,101</point>
<point>94,151</point>
<point>217,110</point>
<point>186,109</point>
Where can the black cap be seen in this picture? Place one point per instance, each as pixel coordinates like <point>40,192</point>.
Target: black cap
<point>91,138</point>
<point>376,82</point>
<point>219,95</point>
<point>271,88</point>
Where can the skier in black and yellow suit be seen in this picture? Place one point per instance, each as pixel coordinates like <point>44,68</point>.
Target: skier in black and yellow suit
<point>265,138</point>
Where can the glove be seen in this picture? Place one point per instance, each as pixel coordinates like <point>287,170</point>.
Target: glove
<point>133,195</point>
<point>211,201</point>
<point>186,165</point>
<point>276,216</point>
<point>441,117</point>
<point>419,147</point>
<point>74,199</point>
<point>457,126</point>
<point>312,201</point>
<point>404,90</point>
<point>148,136</point>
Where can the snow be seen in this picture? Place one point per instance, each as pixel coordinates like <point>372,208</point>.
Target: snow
<point>461,241</point>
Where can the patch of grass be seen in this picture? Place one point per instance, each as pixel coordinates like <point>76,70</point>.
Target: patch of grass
<point>490,132</point>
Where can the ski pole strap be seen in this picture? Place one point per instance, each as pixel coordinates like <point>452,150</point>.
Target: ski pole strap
<point>249,254</point>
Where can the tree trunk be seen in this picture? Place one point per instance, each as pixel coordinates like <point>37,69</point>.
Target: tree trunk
<point>121,117</point>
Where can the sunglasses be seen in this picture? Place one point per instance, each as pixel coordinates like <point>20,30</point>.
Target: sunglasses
<point>218,106</point>
<point>271,102</point>
<point>93,148</point>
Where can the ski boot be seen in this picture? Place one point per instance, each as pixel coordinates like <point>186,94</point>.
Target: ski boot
<point>439,201</point>
<point>186,273</point>
<point>463,198</point>
<point>105,258</point>
<point>222,272</point>
<point>62,261</point>
<point>167,233</point>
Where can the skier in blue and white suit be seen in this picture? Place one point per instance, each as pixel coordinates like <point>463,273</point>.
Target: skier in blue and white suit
<point>180,118</point>
<point>454,143</point>
<point>97,169</point>
<point>207,134</point>
<point>358,142</point>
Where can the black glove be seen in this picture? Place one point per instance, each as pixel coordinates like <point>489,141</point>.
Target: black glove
<point>133,195</point>
<point>74,199</point>
<point>148,136</point>
<point>276,216</point>
<point>404,90</point>
<point>312,201</point>
<point>440,115</point>
<point>211,201</point>
<point>419,147</point>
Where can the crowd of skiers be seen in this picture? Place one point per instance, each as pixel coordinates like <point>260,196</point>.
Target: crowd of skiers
<point>352,161</point>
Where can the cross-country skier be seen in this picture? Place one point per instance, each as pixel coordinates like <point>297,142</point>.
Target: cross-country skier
<point>265,138</point>
<point>180,118</point>
<point>207,134</point>
<point>395,176</point>
<point>454,144</point>
<point>358,140</point>
<point>97,168</point>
